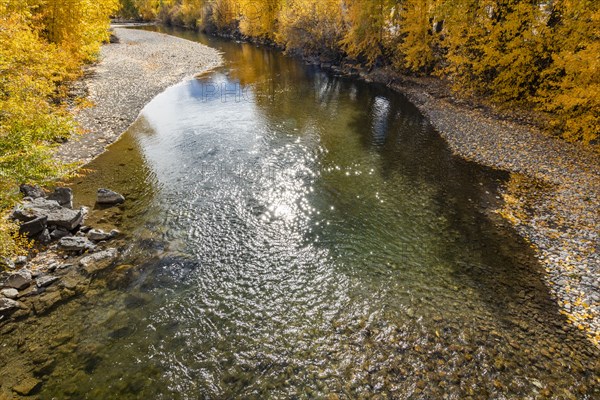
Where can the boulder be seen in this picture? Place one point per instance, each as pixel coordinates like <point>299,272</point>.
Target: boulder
<point>106,196</point>
<point>34,227</point>
<point>10,293</point>
<point>75,243</point>
<point>63,196</point>
<point>32,191</point>
<point>98,261</point>
<point>19,280</point>
<point>44,237</point>
<point>56,214</point>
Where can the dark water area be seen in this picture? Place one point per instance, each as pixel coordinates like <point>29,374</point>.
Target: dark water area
<point>294,234</point>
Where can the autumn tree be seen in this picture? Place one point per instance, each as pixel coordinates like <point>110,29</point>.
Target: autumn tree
<point>370,29</point>
<point>311,26</point>
<point>42,48</point>
<point>570,89</point>
<point>419,27</point>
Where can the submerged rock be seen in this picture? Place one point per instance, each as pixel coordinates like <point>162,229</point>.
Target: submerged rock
<point>75,243</point>
<point>98,261</point>
<point>46,301</point>
<point>63,196</point>
<point>27,386</point>
<point>98,235</point>
<point>106,196</point>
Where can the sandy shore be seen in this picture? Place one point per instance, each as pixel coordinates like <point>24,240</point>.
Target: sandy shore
<point>552,197</point>
<point>129,74</point>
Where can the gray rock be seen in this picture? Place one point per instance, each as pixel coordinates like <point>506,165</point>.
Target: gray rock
<point>106,196</point>
<point>34,227</point>
<point>35,273</point>
<point>62,195</point>
<point>32,191</point>
<point>57,215</point>
<point>8,306</point>
<point>59,233</point>
<point>98,261</point>
<point>10,293</point>
<point>98,235</point>
<point>19,280</point>
<point>114,233</point>
<point>75,243</point>
<point>46,280</point>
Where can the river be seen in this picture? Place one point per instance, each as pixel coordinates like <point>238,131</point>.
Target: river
<point>295,234</point>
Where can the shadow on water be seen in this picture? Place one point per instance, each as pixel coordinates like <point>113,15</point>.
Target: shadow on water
<point>292,234</point>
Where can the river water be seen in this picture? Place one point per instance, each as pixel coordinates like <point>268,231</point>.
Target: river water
<point>293,234</point>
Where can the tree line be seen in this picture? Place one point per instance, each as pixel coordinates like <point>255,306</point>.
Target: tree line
<point>43,46</point>
<point>539,54</point>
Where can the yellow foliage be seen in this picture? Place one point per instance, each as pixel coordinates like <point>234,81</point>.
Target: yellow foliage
<point>311,26</point>
<point>416,50</point>
<point>370,29</point>
<point>43,44</point>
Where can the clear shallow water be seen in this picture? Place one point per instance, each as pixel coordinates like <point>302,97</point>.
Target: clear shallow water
<point>291,234</point>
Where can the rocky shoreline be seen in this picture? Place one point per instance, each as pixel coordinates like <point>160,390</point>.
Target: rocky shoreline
<point>72,253</point>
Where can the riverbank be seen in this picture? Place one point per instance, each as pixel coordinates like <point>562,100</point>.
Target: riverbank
<point>551,198</point>
<point>132,71</point>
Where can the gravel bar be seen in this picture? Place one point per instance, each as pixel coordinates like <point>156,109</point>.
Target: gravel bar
<point>129,74</point>
<point>552,196</point>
